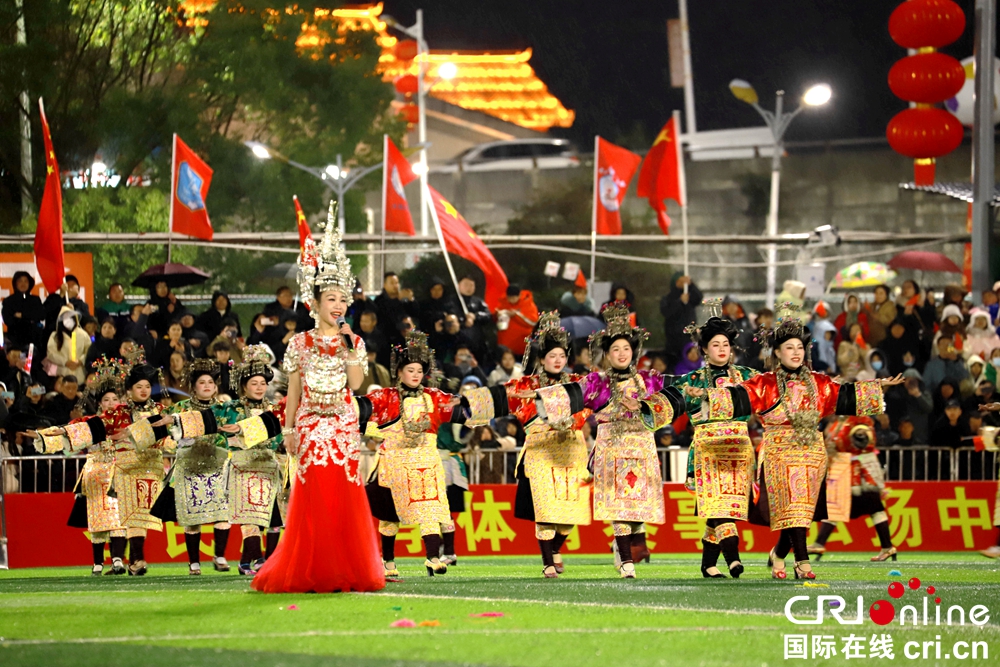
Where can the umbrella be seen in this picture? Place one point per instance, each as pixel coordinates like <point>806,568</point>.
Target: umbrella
<point>581,326</point>
<point>923,260</point>
<point>282,270</point>
<point>863,274</point>
<point>174,275</point>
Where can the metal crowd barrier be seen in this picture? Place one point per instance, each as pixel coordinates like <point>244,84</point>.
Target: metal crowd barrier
<point>58,473</point>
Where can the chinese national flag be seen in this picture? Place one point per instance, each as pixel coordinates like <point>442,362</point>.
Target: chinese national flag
<point>49,259</point>
<point>396,173</point>
<point>189,187</point>
<point>660,177</point>
<point>459,239</point>
<point>614,167</point>
<point>305,234</point>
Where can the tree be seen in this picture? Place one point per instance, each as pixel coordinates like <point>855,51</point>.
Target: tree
<point>121,76</point>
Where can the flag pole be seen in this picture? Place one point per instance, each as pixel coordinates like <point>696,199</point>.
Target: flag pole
<point>173,195</point>
<point>683,183</point>
<point>593,220</point>
<point>444,248</point>
<point>385,184</point>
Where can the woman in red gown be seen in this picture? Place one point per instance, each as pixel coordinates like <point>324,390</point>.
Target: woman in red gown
<point>329,544</point>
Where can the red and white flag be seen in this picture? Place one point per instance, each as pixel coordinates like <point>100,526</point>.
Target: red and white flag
<point>49,258</point>
<point>396,174</point>
<point>662,174</point>
<point>189,187</point>
<point>614,167</point>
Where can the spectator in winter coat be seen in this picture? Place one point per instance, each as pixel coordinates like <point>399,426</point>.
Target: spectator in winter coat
<point>902,346</point>
<point>576,302</point>
<point>165,306</point>
<point>22,311</point>
<point>198,340</point>
<point>620,292</point>
<point>211,321</point>
<point>285,302</point>
<point>104,345</point>
<point>917,405</point>
<point>733,311</point>
<point>115,307</point>
<point>947,364</point>
<point>435,306</point>
<point>981,336</point>
<point>793,292</point>
<point>853,314</point>
<point>68,345</point>
<point>679,309</point>
<point>881,314</point>
<point>952,326</point>
<point>915,310</point>
<point>394,304</point>
<point>824,333</point>
<point>508,369</point>
<point>517,316</point>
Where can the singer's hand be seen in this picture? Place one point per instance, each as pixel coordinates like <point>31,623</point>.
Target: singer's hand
<point>345,330</point>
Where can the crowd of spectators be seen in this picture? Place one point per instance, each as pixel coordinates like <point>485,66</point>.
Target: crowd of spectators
<point>949,352</point>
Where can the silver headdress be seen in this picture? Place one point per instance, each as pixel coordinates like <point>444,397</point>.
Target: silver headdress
<point>325,267</point>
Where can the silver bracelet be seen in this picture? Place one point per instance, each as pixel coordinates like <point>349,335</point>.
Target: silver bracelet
<point>288,430</point>
<point>353,362</point>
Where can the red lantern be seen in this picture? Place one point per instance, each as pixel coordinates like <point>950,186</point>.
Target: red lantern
<point>924,132</point>
<point>917,24</point>
<point>926,78</point>
<point>405,50</point>
<point>408,84</point>
<point>410,113</point>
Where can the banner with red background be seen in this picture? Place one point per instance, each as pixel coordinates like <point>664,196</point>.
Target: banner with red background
<point>924,516</point>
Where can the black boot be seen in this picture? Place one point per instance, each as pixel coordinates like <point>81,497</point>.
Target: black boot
<point>117,555</point>
<point>548,566</point>
<point>271,539</point>
<point>730,547</point>
<point>221,541</point>
<point>624,544</point>
<point>819,546</point>
<point>98,551</point>
<point>136,556</point>
<point>710,558</point>
<point>432,547</point>
<point>448,555</point>
<point>558,541</point>
<point>887,551</point>
<point>251,557</point>
<point>193,543</point>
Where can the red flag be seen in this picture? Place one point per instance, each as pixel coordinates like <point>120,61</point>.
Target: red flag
<point>305,234</point>
<point>660,177</point>
<point>459,239</point>
<point>396,173</point>
<point>189,187</point>
<point>49,258</point>
<point>613,169</point>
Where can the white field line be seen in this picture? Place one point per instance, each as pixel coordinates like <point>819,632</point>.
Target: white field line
<point>395,632</point>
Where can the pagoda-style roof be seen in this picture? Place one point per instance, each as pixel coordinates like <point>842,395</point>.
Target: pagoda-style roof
<point>501,84</point>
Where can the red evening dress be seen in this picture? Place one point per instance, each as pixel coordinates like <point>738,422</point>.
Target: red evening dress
<point>329,543</point>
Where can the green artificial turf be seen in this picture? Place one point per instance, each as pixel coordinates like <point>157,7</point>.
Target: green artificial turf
<point>669,615</point>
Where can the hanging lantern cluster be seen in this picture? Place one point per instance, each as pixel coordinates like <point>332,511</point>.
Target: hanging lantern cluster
<point>407,85</point>
<point>925,132</point>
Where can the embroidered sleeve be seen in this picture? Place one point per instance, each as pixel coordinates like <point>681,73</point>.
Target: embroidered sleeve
<point>726,403</point>
<point>85,432</point>
<point>196,423</point>
<point>53,441</point>
<point>259,429</point>
<point>557,404</point>
<point>143,435</point>
<point>292,354</point>
<point>863,398</point>
<point>662,408</point>
<point>484,404</point>
<point>359,346</point>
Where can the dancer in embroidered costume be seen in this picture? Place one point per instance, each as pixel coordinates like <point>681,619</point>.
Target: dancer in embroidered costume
<point>721,458</point>
<point>94,510</point>
<point>628,486</point>
<point>855,483</point>
<point>553,484</point>
<point>329,541</point>
<point>254,426</point>
<point>408,482</point>
<point>140,438</point>
<point>791,401</point>
<point>199,480</point>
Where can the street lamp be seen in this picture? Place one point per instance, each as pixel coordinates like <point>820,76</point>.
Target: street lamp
<point>334,176</point>
<point>777,121</point>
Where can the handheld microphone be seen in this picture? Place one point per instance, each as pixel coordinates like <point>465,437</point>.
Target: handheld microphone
<point>347,339</point>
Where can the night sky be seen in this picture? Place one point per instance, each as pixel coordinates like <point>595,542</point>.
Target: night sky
<point>608,61</point>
